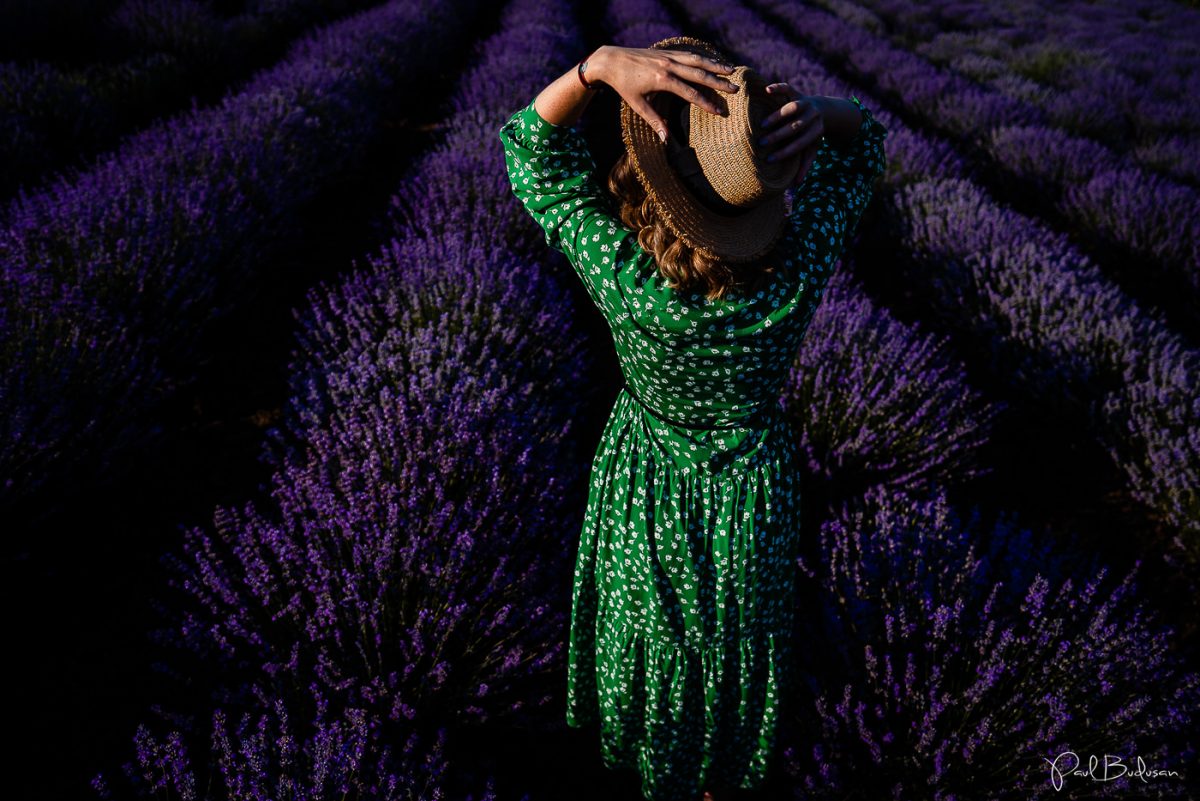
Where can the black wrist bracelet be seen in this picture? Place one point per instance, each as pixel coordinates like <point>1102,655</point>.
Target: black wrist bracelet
<point>579,71</point>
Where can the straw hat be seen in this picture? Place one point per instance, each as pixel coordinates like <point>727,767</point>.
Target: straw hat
<point>710,183</point>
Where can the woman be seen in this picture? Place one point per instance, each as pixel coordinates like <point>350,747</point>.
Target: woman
<point>683,589</point>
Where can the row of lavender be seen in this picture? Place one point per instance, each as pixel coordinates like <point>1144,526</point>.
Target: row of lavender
<point>943,644</point>
<point>1124,74</point>
<point>1128,219</point>
<point>1044,310</point>
<point>52,117</point>
<point>110,280</point>
<point>414,577</point>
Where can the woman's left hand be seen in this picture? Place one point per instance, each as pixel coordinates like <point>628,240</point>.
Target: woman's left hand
<point>795,127</point>
<point>638,73</point>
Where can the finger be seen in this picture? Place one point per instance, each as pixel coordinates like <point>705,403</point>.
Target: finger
<point>807,139</point>
<point>691,94</point>
<point>792,108</point>
<point>697,60</point>
<point>647,112</point>
<point>777,116</point>
<point>787,129</point>
<point>782,89</point>
<point>703,76</point>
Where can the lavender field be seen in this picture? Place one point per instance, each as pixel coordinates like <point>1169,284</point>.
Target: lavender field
<point>298,408</point>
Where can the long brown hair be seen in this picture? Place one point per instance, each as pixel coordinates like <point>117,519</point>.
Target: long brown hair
<point>685,268</point>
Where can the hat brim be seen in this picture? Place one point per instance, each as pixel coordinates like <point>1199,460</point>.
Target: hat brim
<point>739,237</point>
<point>736,238</point>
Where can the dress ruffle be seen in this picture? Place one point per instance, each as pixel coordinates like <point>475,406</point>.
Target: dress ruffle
<point>708,714</point>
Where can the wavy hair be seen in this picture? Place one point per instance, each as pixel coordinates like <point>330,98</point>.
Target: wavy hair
<point>685,268</point>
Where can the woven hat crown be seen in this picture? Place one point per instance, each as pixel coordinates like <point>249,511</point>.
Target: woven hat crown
<point>726,146</point>
<point>711,181</point>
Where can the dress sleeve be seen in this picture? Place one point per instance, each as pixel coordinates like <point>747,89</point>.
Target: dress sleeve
<point>829,203</point>
<point>553,174</point>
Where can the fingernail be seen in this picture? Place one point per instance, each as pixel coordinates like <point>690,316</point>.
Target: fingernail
<point>662,135</point>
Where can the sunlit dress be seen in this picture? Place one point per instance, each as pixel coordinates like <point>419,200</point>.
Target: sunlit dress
<point>683,601</point>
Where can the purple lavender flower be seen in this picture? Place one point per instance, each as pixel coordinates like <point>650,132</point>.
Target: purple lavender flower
<point>110,278</point>
<point>949,659</point>
<point>874,402</point>
<point>265,754</point>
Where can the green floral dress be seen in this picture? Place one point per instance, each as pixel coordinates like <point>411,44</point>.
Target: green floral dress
<point>680,641</point>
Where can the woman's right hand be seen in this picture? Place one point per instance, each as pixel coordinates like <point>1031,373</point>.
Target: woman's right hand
<point>795,127</point>
<point>634,73</point>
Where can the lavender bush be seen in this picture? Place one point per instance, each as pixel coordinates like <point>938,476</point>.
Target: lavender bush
<point>1111,206</point>
<point>638,23</point>
<point>875,402</point>
<point>108,281</point>
<point>264,754</point>
<point>164,54</point>
<point>418,564</point>
<point>414,564</point>
<point>1120,73</point>
<point>951,659</point>
<point>1076,343</point>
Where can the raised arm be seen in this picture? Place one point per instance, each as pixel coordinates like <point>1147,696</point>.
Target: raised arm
<point>552,170</point>
<point>845,146</point>
<point>843,174</point>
